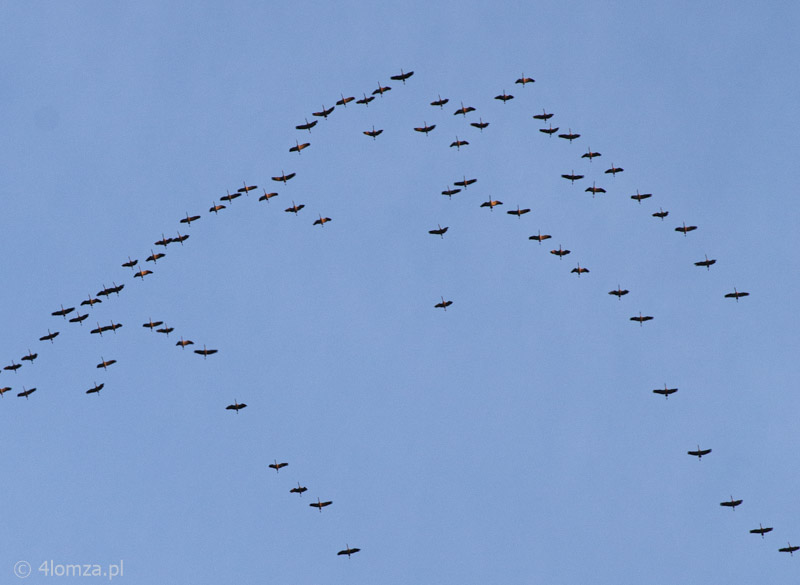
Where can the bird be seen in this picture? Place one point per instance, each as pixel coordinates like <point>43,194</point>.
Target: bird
<point>205,352</point>
<point>246,188</point>
<point>480,125</point>
<point>381,89</point>
<point>307,126</point>
<point>619,292</point>
<point>322,220</point>
<point>345,100</point>
<point>164,241</point>
<point>665,392</point>
<point>181,238</point>
<point>95,389</point>
<point>277,466</point>
<point>373,132</point>
<point>734,295</point>
<point>152,325</point>
<point>523,80</point>
<point>323,113</point>
<point>594,190</point>
<point>30,357</point>
<point>661,213</point>
<point>614,170</point>
<point>237,406</point>
<point>790,549</point>
<point>166,330</point>
<point>184,342</point>
<point>686,228</point>
<point>732,504</point>
<point>572,177</point>
<point>518,212</point>
<point>639,196</point>
<point>699,452</point>
<point>229,197</point>
<point>464,182</point>
<point>284,177</point>
<point>298,490</point>
<point>4,389</point>
<point>450,192</point>
<point>142,273</point>
<point>579,270</point>
<point>365,100</point>
<point>440,231</point>
<point>549,130</point>
<point>130,263</point>
<point>216,208</point>
<point>761,530</point>
<point>63,312</point>
<point>544,116</point>
<point>443,305</point>
<point>440,102</point>
<point>560,252</point>
<point>504,97</point>
<point>569,135</point>
<point>105,363</point>
<point>113,327</point>
<point>402,77</point>
<point>458,143</point>
<point>90,301</point>
<point>540,237</point>
<point>590,155</point>
<point>641,319</point>
<point>27,393</point>
<point>13,367</point>
<point>425,128</point>
<point>294,208</point>
<point>707,263</point>
<point>267,196</point>
<point>49,337</point>
<point>463,110</point>
<point>348,551</point>
<point>318,504</point>
<point>189,219</point>
<point>491,204</point>
<point>153,257</point>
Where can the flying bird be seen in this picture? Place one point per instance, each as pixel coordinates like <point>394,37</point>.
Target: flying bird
<point>686,228</point>
<point>105,363</point>
<point>181,238</point>
<point>518,212</point>
<point>216,208</point>
<point>734,295</point>
<point>569,135</point>
<point>619,293</point>
<point>425,128</point>
<point>13,367</point>
<point>298,490</point>
<point>130,263</point>
<point>544,116</point>
<point>732,504</point>
<point>373,132</point>
<point>661,213</point>
<point>707,263</point>
<point>790,549</point>
<point>27,393</point>
<point>594,190</point>
<point>438,232</point>
<point>284,177</point>
<point>90,301</point>
<point>96,389</point>
<point>480,125</point>
<point>323,113</point>
<point>236,406</point>
<point>154,258</point>
<point>560,253</point>
<point>450,192</point>
<point>572,177</point>
<point>665,392</point>
<point>614,170</point>
<point>440,102</point>
<point>229,198</point>
<point>30,357</point>
<point>322,220</point>
<point>402,77</point>
<point>4,390</point>
<point>189,219</point>
<point>318,504</point>
<point>307,126</point>
<point>164,241</point>
<point>504,97</point>
<point>641,319</point>
<point>365,100</point>
<point>540,237</point>
<point>761,530</point>
<point>345,100</point>
<point>184,342</point>
<point>458,143</point>
<point>298,147</point>
<point>491,204</point>
<point>165,330</point>
<point>246,188</point>
<point>294,208</point>
<point>443,305</point>
<point>381,89</point>
<point>699,452</point>
<point>205,352</point>
<point>590,155</point>
<point>579,270</point>
<point>463,110</point>
<point>63,312</point>
<point>276,466</point>
<point>142,273</point>
<point>348,551</point>
<point>49,337</point>
<point>523,80</point>
<point>464,182</point>
<point>267,196</point>
<point>152,325</point>
<point>639,196</point>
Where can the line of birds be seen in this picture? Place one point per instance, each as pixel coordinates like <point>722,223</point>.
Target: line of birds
<point>464,183</point>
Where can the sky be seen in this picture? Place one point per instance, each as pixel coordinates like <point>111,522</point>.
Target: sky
<point>512,437</point>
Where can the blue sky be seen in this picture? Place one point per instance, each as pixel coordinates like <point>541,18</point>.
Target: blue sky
<point>513,437</point>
